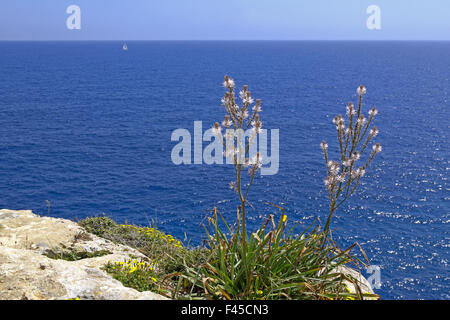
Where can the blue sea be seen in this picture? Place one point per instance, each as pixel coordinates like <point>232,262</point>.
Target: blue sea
<point>85,128</point>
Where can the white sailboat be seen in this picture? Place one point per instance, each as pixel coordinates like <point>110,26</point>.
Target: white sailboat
<point>124,47</point>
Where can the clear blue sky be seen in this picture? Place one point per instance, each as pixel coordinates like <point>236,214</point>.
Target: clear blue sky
<point>225,20</point>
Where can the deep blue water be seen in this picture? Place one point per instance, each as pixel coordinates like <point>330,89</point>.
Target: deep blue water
<point>87,127</point>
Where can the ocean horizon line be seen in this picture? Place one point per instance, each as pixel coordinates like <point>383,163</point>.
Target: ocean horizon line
<point>225,40</point>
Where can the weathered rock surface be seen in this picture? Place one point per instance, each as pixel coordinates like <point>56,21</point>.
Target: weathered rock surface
<point>26,273</point>
<point>363,284</point>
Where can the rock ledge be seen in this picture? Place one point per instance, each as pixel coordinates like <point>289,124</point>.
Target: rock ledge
<point>26,273</point>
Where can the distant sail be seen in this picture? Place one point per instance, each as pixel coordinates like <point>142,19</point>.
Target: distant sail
<point>125,47</point>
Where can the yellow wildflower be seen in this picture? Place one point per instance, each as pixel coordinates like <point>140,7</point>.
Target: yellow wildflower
<point>133,269</point>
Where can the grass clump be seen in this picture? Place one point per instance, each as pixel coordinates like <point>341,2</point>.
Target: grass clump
<point>74,255</point>
<point>274,265</point>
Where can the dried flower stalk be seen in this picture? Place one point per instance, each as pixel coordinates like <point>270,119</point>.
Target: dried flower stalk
<point>237,120</point>
<point>344,176</point>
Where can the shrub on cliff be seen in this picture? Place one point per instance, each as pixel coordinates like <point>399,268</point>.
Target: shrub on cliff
<point>167,253</point>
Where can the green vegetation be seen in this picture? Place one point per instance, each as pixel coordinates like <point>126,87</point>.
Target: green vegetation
<point>140,275</point>
<point>274,264</point>
<point>166,255</point>
<point>154,244</point>
<point>74,255</point>
<point>278,265</point>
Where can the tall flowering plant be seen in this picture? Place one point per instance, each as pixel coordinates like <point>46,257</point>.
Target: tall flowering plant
<point>344,175</point>
<point>240,122</point>
<point>272,262</point>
